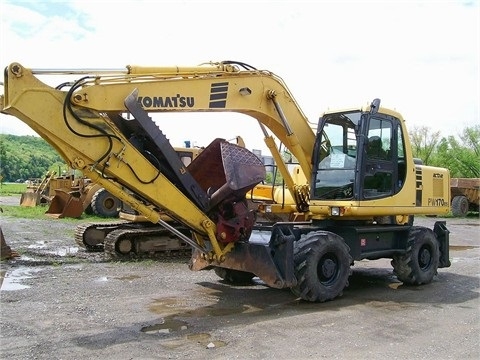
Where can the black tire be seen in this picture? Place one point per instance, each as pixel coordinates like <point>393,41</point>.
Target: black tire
<point>411,219</point>
<point>420,262</point>
<point>322,266</point>
<point>105,204</point>
<point>234,277</point>
<point>460,206</point>
<point>88,210</point>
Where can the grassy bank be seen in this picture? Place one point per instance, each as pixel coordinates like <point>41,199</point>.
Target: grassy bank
<point>12,189</point>
<point>38,212</point>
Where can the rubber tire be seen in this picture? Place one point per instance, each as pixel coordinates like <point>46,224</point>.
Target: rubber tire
<point>316,252</point>
<point>104,204</point>
<point>88,210</point>
<point>460,206</point>
<point>420,262</point>
<point>234,277</point>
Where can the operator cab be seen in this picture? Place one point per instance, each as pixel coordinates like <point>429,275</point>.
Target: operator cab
<point>359,155</point>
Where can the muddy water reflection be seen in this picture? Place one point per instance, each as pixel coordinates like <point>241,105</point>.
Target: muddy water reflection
<point>12,280</point>
<point>165,327</point>
<point>170,325</point>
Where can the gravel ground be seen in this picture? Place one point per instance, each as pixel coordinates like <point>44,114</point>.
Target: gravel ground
<point>59,302</point>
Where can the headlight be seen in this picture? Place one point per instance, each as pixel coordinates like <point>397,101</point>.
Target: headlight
<point>335,211</point>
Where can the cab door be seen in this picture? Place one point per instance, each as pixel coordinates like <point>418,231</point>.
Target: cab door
<point>379,155</point>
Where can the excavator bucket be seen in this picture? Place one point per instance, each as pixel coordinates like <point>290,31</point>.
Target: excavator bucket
<point>224,169</point>
<point>65,203</point>
<point>30,199</point>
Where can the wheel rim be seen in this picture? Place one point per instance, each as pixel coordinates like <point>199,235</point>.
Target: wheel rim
<point>109,204</point>
<point>327,269</point>
<point>424,258</point>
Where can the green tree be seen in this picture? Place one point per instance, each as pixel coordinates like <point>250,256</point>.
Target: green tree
<point>461,155</point>
<point>424,142</point>
<point>24,157</point>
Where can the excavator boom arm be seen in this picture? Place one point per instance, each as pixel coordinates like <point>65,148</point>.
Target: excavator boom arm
<point>96,146</point>
<point>85,125</point>
<point>219,87</point>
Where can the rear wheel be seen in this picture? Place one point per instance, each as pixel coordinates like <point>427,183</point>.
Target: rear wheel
<point>420,262</point>
<point>322,266</point>
<point>234,276</point>
<point>460,206</point>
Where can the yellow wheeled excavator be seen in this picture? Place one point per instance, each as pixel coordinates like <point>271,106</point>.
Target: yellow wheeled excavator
<point>356,199</point>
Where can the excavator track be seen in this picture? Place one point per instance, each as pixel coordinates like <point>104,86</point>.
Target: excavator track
<point>150,242</point>
<point>90,236</point>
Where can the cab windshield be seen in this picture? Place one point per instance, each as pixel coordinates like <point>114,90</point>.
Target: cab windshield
<point>336,160</point>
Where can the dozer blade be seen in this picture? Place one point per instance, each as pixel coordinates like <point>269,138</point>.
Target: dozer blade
<point>30,199</point>
<point>65,204</point>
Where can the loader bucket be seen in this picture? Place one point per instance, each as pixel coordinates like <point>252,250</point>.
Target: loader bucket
<point>30,199</point>
<point>65,203</point>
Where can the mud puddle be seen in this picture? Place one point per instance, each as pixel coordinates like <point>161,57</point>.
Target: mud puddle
<point>58,251</point>
<point>165,326</point>
<point>169,326</point>
<point>14,279</point>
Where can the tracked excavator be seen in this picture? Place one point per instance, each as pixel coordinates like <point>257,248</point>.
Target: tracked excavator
<point>135,236</point>
<point>362,187</point>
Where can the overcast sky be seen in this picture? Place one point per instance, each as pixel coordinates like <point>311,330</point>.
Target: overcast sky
<point>419,57</point>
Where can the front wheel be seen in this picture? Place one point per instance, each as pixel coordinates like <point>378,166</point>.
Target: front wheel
<point>419,264</point>
<point>322,266</point>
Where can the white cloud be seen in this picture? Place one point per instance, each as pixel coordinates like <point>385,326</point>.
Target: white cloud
<point>419,57</point>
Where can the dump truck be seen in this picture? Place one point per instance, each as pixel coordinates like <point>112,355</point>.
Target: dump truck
<point>465,194</point>
<point>357,164</point>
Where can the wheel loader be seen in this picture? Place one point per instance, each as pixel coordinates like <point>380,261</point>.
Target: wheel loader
<point>359,190</point>
<point>41,191</point>
<point>70,196</point>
